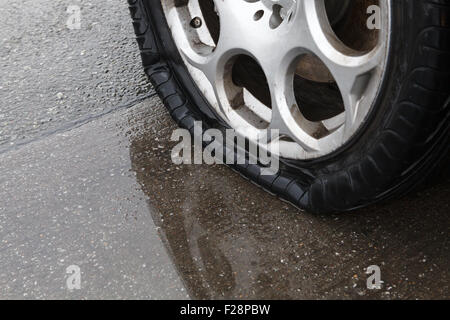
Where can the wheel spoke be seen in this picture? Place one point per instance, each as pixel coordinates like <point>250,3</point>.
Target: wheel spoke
<point>286,115</point>
<point>351,70</point>
<point>334,123</point>
<point>216,62</point>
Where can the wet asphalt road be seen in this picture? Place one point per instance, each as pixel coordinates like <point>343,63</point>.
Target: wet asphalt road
<point>86,179</point>
<point>53,77</point>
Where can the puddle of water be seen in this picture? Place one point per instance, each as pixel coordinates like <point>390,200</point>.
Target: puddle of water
<point>229,239</point>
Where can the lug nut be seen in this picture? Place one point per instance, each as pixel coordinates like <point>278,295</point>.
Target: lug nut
<point>196,22</point>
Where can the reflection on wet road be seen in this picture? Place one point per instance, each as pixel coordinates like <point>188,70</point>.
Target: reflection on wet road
<point>106,197</point>
<point>229,239</point>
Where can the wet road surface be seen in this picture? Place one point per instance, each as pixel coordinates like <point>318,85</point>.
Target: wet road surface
<point>53,77</point>
<point>95,187</point>
<point>72,199</point>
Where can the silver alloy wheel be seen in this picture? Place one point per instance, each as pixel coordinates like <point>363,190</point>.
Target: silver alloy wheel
<point>278,35</point>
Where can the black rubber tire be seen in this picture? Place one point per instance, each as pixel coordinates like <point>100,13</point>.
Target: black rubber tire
<point>403,143</point>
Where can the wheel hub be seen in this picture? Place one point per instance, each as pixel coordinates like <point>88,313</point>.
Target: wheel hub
<point>282,9</point>
<point>290,50</point>
<point>285,8</point>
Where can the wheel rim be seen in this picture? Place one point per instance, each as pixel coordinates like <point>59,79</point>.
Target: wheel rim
<point>290,47</point>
